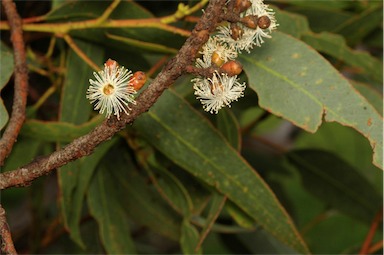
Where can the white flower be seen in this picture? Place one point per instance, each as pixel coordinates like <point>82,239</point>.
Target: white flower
<point>110,90</point>
<point>214,46</point>
<point>250,37</point>
<point>217,92</point>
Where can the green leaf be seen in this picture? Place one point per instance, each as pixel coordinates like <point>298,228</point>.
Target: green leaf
<point>150,35</point>
<point>145,206</point>
<point>359,26</point>
<point>145,46</point>
<point>330,5</point>
<point>75,107</point>
<point>372,95</point>
<point>23,152</point>
<point>293,81</point>
<point>80,10</point>
<point>347,144</point>
<point>336,183</point>
<point>335,46</point>
<point>291,23</point>
<point>191,142</point>
<point>3,114</point>
<point>239,216</point>
<point>189,238</point>
<point>216,206</point>
<point>315,16</point>
<point>227,124</point>
<point>53,131</point>
<point>346,238</point>
<point>169,187</point>
<point>105,205</point>
<point>6,63</point>
<point>74,180</point>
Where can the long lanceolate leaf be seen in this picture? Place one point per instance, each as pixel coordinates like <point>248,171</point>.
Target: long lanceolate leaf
<point>190,141</point>
<point>293,81</point>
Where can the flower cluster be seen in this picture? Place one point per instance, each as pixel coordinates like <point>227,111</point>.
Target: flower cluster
<point>255,21</point>
<point>114,89</point>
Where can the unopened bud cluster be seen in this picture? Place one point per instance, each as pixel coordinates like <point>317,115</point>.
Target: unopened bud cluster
<point>254,22</point>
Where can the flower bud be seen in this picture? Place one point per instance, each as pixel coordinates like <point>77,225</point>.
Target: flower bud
<point>138,80</point>
<point>242,5</point>
<point>216,59</point>
<point>111,63</point>
<point>236,31</point>
<point>232,68</point>
<point>250,21</point>
<point>264,22</point>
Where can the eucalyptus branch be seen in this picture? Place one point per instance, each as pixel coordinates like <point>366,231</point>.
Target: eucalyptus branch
<point>7,245</point>
<point>85,145</point>
<point>21,81</point>
<point>66,27</point>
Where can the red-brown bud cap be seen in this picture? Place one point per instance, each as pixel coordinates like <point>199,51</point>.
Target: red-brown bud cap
<point>232,68</point>
<point>264,22</point>
<point>138,80</point>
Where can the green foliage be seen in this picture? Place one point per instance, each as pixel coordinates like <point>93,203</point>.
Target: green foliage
<point>293,167</point>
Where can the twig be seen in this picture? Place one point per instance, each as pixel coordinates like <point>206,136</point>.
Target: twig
<point>21,82</point>
<point>368,240</point>
<point>7,243</point>
<point>85,145</point>
<point>157,66</point>
<point>80,53</point>
<point>66,27</point>
<point>108,11</point>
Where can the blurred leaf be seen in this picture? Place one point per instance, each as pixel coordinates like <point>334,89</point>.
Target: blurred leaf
<point>53,131</point>
<point>170,188</point>
<point>189,238</point>
<point>23,152</point>
<point>191,142</point>
<point>216,206</point>
<point>335,46</point>
<point>75,108</point>
<point>336,183</point>
<point>105,205</point>
<point>81,10</point>
<point>6,71</point>
<point>146,46</point>
<point>3,115</point>
<point>295,82</point>
<point>361,25</point>
<point>261,242</point>
<point>74,181</point>
<point>347,144</point>
<point>145,206</point>
<point>346,235</point>
<point>6,63</point>
<point>330,5</point>
<point>239,216</point>
<point>291,23</point>
<point>315,16</point>
<point>165,36</point>
<point>227,124</point>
